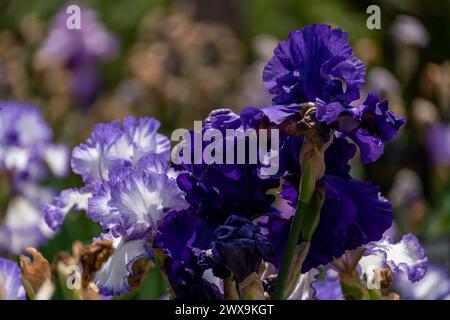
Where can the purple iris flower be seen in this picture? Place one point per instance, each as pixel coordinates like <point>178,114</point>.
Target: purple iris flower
<point>113,151</point>
<point>316,64</point>
<point>129,188</point>
<point>438,144</point>
<point>221,218</point>
<point>220,196</point>
<point>369,125</point>
<point>183,236</point>
<point>27,158</point>
<point>80,51</point>
<point>25,143</point>
<point>240,188</point>
<point>239,247</point>
<point>11,287</point>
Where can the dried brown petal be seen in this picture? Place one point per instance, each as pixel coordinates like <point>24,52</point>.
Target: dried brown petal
<point>392,296</point>
<point>91,292</point>
<point>92,258</point>
<point>34,273</point>
<point>383,277</point>
<point>252,288</point>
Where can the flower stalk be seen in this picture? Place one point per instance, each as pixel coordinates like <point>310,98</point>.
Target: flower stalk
<point>309,204</point>
<point>306,190</point>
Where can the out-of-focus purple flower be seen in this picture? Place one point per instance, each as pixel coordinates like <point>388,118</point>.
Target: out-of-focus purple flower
<point>315,62</point>
<point>406,189</point>
<point>79,50</point>
<point>437,139</point>
<point>86,84</point>
<point>408,30</point>
<point>27,157</point>
<point>25,142</point>
<point>24,224</point>
<point>384,82</point>
<point>11,287</point>
<point>74,47</point>
<point>238,248</point>
<point>435,285</point>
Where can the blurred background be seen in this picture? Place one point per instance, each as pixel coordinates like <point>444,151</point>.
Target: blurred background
<point>178,60</point>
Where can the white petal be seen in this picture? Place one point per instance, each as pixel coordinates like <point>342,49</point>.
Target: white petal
<point>303,290</point>
<point>57,159</point>
<point>16,158</point>
<point>112,278</point>
<point>406,255</point>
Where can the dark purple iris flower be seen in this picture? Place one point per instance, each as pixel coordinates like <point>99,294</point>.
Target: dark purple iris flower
<point>220,197</point>
<point>238,188</point>
<point>182,236</point>
<point>239,247</point>
<point>316,64</point>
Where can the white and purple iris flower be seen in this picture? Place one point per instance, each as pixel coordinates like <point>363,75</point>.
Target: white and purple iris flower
<point>406,256</point>
<point>11,287</point>
<point>27,157</point>
<point>128,189</point>
<point>405,259</point>
<point>25,143</point>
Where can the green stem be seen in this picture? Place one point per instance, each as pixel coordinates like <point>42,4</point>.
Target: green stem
<point>306,190</point>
